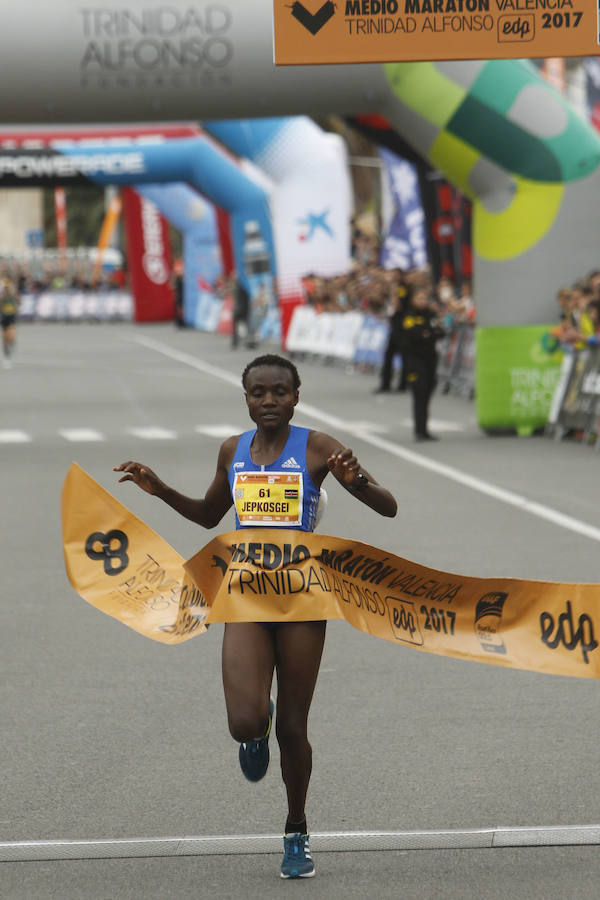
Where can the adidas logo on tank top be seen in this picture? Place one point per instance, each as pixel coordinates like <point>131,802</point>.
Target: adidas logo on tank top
<point>290,464</point>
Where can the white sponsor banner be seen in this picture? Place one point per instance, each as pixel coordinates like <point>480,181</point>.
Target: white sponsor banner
<point>312,208</point>
<point>334,335</point>
<point>53,306</point>
<point>302,329</point>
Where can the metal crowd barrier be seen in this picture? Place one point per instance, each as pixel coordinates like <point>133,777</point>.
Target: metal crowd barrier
<point>361,340</point>
<point>576,406</point>
<point>456,366</point>
<point>76,306</point>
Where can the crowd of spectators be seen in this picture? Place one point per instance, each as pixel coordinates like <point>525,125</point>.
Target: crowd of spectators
<point>366,287</point>
<point>73,273</point>
<point>579,313</point>
<point>376,291</point>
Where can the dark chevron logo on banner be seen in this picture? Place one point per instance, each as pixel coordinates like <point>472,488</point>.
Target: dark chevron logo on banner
<point>313,22</point>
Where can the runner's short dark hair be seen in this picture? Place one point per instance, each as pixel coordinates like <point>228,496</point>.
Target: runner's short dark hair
<point>271,359</point>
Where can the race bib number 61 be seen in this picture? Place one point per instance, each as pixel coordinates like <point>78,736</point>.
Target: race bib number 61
<point>268,498</point>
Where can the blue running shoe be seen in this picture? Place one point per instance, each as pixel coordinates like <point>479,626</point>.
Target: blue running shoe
<point>297,861</point>
<point>254,755</point>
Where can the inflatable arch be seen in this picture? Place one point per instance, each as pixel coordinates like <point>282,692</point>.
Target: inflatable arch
<point>240,189</point>
<point>151,284</point>
<point>196,218</point>
<point>312,197</point>
<point>307,182</point>
<point>495,128</point>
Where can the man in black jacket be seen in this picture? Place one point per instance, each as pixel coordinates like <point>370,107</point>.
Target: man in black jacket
<point>398,299</point>
<point>420,333</point>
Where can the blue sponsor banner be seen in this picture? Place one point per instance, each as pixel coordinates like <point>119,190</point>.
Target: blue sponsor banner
<point>404,246</point>
<point>207,311</point>
<point>371,342</point>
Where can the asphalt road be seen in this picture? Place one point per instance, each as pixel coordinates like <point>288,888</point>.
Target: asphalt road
<point>107,735</point>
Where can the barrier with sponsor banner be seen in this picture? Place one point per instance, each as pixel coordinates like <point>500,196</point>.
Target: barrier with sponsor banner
<point>76,306</point>
<point>122,567</point>
<point>456,366</point>
<point>517,374</point>
<point>362,340</point>
<point>577,397</point>
<point>328,335</point>
<point>371,342</point>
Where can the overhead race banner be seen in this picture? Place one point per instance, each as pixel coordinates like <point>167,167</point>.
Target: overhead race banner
<point>122,567</point>
<point>355,31</point>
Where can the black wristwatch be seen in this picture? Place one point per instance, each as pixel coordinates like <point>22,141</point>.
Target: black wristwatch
<point>361,482</point>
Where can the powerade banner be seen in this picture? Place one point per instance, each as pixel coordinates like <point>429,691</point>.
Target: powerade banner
<point>359,31</point>
<point>404,243</point>
<point>118,564</point>
<point>39,168</point>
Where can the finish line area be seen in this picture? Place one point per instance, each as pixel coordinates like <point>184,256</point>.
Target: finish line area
<point>121,778</point>
<point>321,842</point>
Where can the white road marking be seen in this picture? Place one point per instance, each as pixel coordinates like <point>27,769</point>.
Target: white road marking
<point>410,456</point>
<point>372,427</point>
<point>321,842</point>
<point>218,431</point>
<point>81,434</point>
<point>187,359</point>
<point>153,433</point>
<point>14,436</point>
<point>436,425</point>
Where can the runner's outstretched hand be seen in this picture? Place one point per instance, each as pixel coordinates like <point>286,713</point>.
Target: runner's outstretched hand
<point>344,466</point>
<point>144,477</point>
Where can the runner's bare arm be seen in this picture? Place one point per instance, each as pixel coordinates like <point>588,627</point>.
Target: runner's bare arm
<point>207,511</point>
<point>326,454</point>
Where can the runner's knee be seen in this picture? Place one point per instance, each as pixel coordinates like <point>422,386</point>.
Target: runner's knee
<point>247,723</point>
<point>291,730</point>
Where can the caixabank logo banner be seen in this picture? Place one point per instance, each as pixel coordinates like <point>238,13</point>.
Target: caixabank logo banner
<point>352,31</point>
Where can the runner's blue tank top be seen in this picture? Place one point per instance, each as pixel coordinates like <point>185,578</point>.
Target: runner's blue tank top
<point>279,495</point>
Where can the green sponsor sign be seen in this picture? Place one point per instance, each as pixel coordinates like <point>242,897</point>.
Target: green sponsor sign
<point>516,372</point>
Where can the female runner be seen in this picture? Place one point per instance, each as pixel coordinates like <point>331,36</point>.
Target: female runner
<point>252,651</point>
